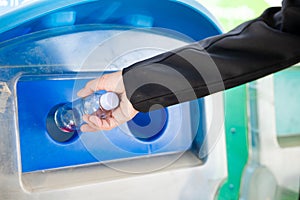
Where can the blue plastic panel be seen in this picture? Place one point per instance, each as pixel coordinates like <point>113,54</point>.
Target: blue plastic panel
<point>149,133</point>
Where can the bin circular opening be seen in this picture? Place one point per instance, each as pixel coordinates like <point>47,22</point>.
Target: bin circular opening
<point>148,127</point>
<point>55,132</point>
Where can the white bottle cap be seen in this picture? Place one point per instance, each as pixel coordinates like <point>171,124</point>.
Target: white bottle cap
<point>109,101</point>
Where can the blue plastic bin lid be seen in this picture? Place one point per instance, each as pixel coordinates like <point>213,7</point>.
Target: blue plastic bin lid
<point>185,16</point>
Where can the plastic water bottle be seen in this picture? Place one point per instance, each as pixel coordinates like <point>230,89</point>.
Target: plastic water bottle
<point>68,117</point>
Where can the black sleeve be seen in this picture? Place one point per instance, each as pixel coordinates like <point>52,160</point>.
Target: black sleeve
<point>252,50</point>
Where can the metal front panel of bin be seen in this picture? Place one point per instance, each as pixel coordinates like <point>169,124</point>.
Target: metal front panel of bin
<point>47,56</point>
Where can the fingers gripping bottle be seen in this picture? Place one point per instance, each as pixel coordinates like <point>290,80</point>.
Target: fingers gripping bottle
<point>68,117</point>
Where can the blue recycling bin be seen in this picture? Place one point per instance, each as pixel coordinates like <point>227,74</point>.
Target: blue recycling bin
<point>52,47</point>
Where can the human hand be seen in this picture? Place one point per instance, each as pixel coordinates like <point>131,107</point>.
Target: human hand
<point>114,83</point>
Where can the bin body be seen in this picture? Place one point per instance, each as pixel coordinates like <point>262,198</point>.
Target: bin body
<point>49,52</point>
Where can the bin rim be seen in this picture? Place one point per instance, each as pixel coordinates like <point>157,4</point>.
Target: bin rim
<point>35,9</point>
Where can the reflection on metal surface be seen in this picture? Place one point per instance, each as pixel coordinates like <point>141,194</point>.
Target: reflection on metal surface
<point>4,95</point>
<point>280,165</point>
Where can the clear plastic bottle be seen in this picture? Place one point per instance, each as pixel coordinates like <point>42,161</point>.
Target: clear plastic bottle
<point>68,117</point>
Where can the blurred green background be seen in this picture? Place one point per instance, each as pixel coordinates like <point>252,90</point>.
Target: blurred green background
<point>231,14</point>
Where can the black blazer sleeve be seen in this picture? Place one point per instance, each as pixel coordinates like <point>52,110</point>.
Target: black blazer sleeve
<point>252,50</point>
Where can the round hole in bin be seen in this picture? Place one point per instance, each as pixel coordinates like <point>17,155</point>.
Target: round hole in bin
<point>55,132</point>
<point>148,127</point>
